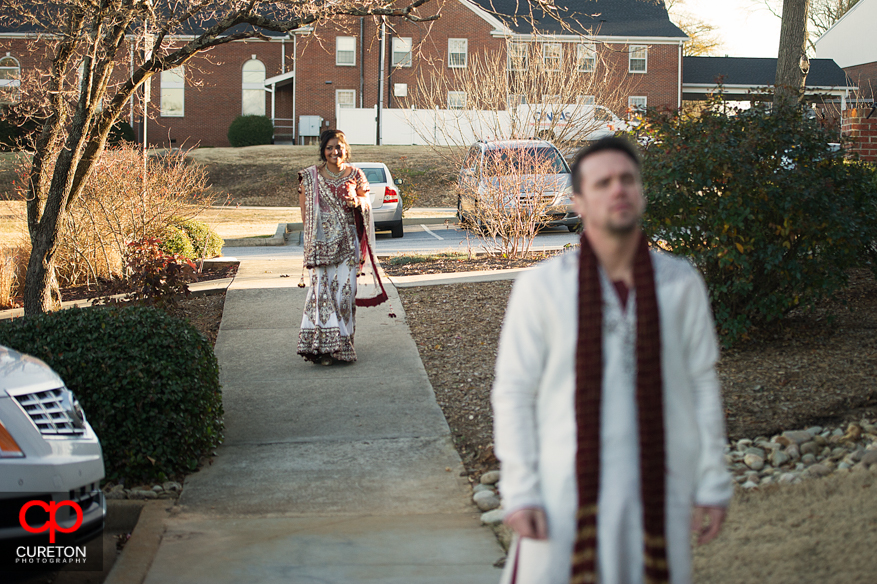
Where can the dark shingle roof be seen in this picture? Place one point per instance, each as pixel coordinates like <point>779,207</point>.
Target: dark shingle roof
<point>624,18</point>
<point>756,71</point>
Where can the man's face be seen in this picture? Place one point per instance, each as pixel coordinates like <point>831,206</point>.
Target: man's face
<point>611,198</point>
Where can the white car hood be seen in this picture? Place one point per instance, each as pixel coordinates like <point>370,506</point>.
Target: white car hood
<point>24,374</point>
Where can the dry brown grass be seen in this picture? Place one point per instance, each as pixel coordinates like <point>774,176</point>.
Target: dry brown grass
<point>265,175</point>
<point>822,531</point>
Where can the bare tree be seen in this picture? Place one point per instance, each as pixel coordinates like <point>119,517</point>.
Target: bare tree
<point>77,110</point>
<point>820,17</point>
<point>566,94</point>
<point>824,13</point>
<point>704,38</point>
<point>792,64</point>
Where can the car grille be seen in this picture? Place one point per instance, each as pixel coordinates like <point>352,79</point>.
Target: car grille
<point>47,412</point>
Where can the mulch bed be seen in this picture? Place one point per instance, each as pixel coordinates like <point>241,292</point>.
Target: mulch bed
<point>818,369</point>
<point>92,291</point>
<point>416,265</point>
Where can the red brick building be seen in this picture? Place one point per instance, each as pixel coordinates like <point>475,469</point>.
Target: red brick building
<point>302,77</point>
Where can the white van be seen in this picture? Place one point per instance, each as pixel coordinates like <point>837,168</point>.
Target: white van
<point>572,122</point>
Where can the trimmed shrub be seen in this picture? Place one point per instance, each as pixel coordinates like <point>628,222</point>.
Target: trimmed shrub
<point>761,204</point>
<point>250,131</point>
<point>148,382</point>
<point>121,132</point>
<point>16,134</point>
<point>205,241</point>
<point>175,241</point>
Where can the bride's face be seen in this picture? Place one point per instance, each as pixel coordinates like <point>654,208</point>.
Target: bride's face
<point>335,151</point>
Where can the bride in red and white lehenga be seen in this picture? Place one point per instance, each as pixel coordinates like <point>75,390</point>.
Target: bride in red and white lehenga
<point>338,244</point>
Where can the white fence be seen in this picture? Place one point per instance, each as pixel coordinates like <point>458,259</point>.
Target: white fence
<point>463,127</point>
<point>422,127</point>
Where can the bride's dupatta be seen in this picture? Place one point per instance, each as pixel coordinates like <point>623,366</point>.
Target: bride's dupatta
<point>369,288</point>
<point>330,242</point>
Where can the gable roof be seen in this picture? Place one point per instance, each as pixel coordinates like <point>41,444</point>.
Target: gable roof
<point>620,18</point>
<point>756,72</point>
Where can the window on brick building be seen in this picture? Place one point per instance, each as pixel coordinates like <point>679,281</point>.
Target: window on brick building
<point>80,75</point>
<point>173,92</point>
<point>10,79</point>
<point>638,58</point>
<point>637,104</point>
<point>345,98</point>
<point>401,51</point>
<point>519,56</point>
<point>458,52</point>
<point>345,51</point>
<point>253,88</point>
<point>586,57</point>
<point>552,55</point>
<point>456,100</point>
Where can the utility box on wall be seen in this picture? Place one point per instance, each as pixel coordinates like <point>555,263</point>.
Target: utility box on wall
<point>309,127</point>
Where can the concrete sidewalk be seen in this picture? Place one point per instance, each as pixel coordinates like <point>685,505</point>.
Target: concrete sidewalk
<point>340,474</point>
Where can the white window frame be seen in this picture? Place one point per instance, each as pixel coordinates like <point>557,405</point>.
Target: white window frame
<point>586,57</point>
<point>339,40</point>
<point>548,47</point>
<point>349,92</point>
<point>399,48</point>
<point>13,82</point>
<point>522,59</point>
<point>80,75</point>
<point>634,56</point>
<point>167,86</point>
<point>513,100</point>
<point>252,86</point>
<point>453,96</point>
<point>465,53</point>
<point>633,107</point>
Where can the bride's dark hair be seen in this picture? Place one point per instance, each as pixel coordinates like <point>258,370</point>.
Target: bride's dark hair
<point>328,135</point>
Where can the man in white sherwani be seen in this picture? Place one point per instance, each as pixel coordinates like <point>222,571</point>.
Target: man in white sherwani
<point>608,416</point>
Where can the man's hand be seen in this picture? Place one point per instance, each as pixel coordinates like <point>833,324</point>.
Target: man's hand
<point>706,533</point>
<point>529,522</point>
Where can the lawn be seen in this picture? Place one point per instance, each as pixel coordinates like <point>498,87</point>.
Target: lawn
<point>265,175</point>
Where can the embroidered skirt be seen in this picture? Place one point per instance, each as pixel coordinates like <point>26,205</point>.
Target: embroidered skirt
<point>328,322</point>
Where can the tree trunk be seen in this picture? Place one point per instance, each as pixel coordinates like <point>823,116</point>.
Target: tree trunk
<point>41,291</point>
<point>789,81</point>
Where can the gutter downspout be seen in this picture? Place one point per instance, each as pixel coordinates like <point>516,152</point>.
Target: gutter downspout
<point>131,72</point>
<point>294,86</point>
<point>380,139</point>
<point>679,78</point>
<point>361,60</point>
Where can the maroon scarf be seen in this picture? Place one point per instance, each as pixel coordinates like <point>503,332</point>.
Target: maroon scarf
<point>650,407</point>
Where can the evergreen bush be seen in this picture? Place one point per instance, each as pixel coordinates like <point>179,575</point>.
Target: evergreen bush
<point>175,241</point>
<point>250,130</point>
<point>761,204</point>
<point>148,382</point>
<point>121,132</point>
<point>205,241</point>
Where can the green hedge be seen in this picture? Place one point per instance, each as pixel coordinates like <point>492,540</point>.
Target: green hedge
<point>191,239</point>
<point>757,199</point>
<point>176,242</point>
<point>148,382</point>
<point>205,241</point>
<point>250,131</point>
